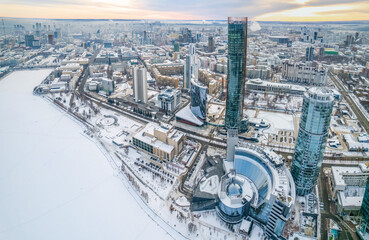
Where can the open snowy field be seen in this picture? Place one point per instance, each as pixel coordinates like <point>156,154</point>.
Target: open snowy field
<point>55,183</point>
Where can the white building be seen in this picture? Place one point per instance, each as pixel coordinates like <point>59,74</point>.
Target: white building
<point>354,145</point>
<point>191,67</point>
<point>161,141</point>
<point>140,84</point>
<point>266,86</point>
<point>348,186</point>
<point>308,73</point>
<point>169,99</point>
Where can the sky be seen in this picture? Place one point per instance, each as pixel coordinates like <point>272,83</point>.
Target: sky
<point>259,10</point>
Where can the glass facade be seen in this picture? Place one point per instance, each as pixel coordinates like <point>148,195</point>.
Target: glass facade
<point>187,73</point>
<point>365,210</point>
<point>311,140</point>
<point>198,99</point>
<point>237,52</point>
<point>144,146</point>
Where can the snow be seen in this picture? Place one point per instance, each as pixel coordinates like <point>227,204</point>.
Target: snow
<point>278,120</point>
<point>187,115</point>
<point>55,183</point>
<point>210,185</point>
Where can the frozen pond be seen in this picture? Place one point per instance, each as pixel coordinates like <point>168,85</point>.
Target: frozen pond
<point>54,182</point>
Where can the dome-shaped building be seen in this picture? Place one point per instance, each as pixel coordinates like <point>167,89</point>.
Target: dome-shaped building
<point>259,186</point>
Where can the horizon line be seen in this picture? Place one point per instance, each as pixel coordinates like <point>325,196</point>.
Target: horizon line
<point>142,19</point>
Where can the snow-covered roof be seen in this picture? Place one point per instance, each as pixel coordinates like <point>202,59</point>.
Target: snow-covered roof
<point>347,200</point>
<point>338,173</point>
<point>186,114</point>
<point>145,136</point>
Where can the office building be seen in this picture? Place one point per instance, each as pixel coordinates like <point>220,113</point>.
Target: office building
<point>279,39</point>
<point>309,54</point>
<point>237,52</point>
<point>308,73</point>
<point>176,46</point>
<point>364,232</point>
<point>169,99</point>
<point>260,71</point>
<point>29,40</point>
<point>140,84</point>
<point>348,188</point>
<point>50,38</point>
<point>191,67</point>
<point>211,44</point>
<point>312,138</point>
<point>198,99</point>
<point>160,141</point>
<point>281,88</point>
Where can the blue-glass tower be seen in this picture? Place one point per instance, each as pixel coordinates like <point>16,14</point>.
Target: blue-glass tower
<point>237,53</point>
<point>312,138</point>
<point>198,99</point>
<point>365,211</point>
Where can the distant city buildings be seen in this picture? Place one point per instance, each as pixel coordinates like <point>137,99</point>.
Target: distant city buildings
<point>211,44</point>
<point>237,56</point>
<point>309,73</point>
<point>29,40</point>
<point>309,56</point>
<point>312,138</point>
<point>260,71</point>
<point>50,38</point>
<point>279,39</point>
<point>140,84</point>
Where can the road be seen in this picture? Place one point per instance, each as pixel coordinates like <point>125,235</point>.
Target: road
<point>329,212</point>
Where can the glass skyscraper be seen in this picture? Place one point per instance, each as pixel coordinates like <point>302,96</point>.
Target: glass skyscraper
<point>198,99</point>
<point>365,211</point>
<point>312,138</point>
<point>237,52</point>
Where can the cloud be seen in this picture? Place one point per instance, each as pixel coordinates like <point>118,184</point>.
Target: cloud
<point>333,12</point>
<point>189,9</point>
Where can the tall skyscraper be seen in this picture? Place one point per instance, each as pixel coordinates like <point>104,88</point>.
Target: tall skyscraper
<point>29,40</point>
<point>198,99</point>
<point>140,84</point>
<point>312,138</point>
<point>176,46</point>
<point>309,54</point>
<point>50,38</point>
<point>211,44</point>
<point>365,212</point>
<point>237,54</point>
<point>191,67</point>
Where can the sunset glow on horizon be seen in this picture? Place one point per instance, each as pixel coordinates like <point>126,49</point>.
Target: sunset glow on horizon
<point>263,10</point>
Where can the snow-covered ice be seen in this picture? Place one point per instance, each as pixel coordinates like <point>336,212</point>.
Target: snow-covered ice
<point>54,182</point>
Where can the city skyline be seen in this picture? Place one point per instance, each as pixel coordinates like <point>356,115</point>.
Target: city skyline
<point>265,10</point>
